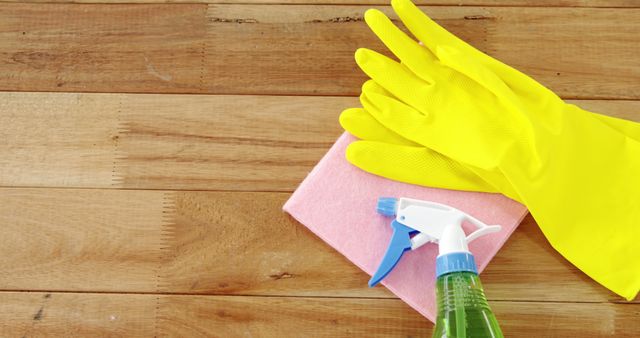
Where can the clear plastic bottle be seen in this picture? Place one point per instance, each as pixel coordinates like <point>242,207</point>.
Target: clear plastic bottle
<point>463,310</point>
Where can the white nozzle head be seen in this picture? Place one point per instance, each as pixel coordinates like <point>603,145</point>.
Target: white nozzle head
<point>453,240</point>
<point>437,223</point>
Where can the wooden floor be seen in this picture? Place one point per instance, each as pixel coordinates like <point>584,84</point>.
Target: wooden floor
<point>146,150</point>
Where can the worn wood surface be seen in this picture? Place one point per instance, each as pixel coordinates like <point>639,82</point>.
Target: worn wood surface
<point>164,141</point>
<point>130,206</point>
<point>293,49</point>
<point>514,3</point>
<point>169,242</point>
<point>89,314</point>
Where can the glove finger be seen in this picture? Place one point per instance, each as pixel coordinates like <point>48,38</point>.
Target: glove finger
<point>433,35</point>
<point>496,179</point>
<point>356,116</point>
<point>448,133</point>
<point>417,58</point>
<point>394,77</point>
<point>424,29</point>
<point>499,83</point>
<point>414,165</point>
<point>395,115</point>
<point>364,126</point>
<point>371,86</point>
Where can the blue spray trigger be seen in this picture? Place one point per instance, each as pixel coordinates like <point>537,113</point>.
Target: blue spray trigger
<point>420,222</point>
<point>399,244</point>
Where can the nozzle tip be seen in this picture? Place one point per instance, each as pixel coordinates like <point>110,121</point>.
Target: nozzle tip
<point>387,206</point>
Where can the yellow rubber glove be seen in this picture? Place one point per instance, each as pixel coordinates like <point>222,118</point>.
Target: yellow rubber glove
<point>411,160</point>
<point>579,176</point>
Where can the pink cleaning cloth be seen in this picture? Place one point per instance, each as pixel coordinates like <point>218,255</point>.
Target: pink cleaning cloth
<point>337,201</point>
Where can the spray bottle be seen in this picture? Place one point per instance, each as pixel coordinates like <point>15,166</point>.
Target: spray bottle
<point>463,310</point>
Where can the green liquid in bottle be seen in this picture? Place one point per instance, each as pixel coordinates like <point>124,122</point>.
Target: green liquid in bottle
<point>463,310</point>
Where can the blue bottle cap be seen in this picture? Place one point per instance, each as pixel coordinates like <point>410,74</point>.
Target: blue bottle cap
<point>454,262</point>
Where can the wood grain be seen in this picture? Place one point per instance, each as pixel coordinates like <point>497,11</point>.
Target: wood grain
<point>223,142</point>
<point>120,48</point>
<point>58,140</point>
<point>99,240</point>
<point>231,243</point>
<point>304,317</point>
<point>513,3</point>
<point>36,314</point>
<point>175,242</point>
<point>195,142</point>
<point>164,141</point>
<point>197,316</point>
<point>293,49</point>
<point>68,314</point>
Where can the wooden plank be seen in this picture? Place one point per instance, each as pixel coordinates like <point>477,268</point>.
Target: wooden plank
<point>567,319</point>
<point>38,314</point>
<point>155,241</point>
<point>121,48</point>
<point>513,3</point>
<point>224,142</point>
<point>99,240</point>
<point>98,315</point>
<point>58,140</point>
<point>293,49</point>
<point>287,317</point>
<point>243,243</point>
<point>300,317</point>
<point>155,141</point>
<point>196,142</point>
<point>68,314</point>
<point>222,243</point>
